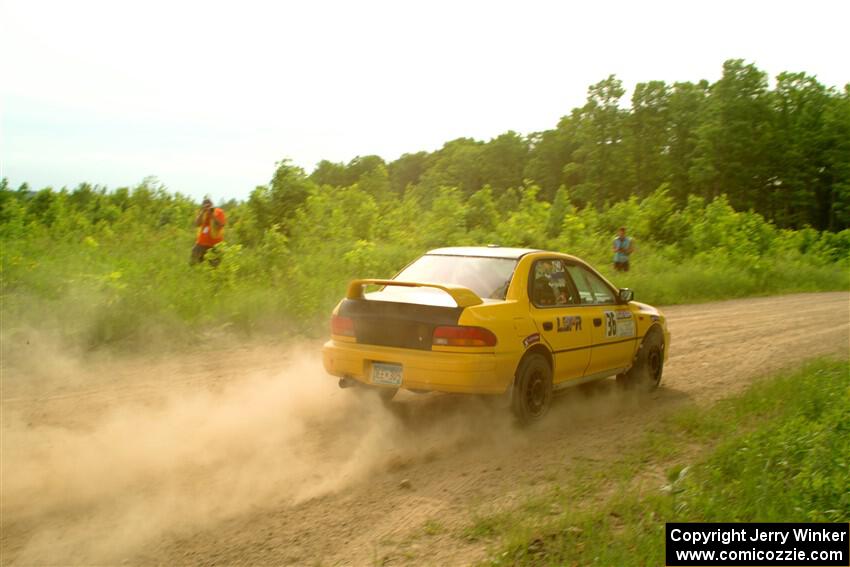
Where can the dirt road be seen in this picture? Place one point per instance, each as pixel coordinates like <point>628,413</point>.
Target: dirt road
<point>256,457</point>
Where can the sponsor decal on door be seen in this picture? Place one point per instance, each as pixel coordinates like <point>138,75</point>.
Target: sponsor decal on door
<point>619,324</point>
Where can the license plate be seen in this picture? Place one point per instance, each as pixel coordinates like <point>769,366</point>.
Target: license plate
<point>386,374</point>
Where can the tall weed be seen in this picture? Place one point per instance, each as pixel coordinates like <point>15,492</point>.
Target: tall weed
<point>112,268</point>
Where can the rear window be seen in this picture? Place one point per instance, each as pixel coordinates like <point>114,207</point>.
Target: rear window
<point>487,277</point>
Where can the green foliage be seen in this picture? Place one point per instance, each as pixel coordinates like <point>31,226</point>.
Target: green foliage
<point>111,268</point>
<point>526,226</point>
<point>445,222</point>
<point>482,215</point>
<point>561,207</point>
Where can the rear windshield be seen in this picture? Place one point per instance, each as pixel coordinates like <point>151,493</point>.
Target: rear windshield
<point>487,277</point>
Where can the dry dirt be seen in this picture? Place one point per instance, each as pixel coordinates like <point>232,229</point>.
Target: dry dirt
<point>253,456</point>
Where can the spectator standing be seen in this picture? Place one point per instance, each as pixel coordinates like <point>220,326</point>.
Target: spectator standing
<point>623,248</point>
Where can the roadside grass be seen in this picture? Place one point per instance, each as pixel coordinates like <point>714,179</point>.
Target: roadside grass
<point>778,453</point>
<point>433,527</point>
<point>661,280</point>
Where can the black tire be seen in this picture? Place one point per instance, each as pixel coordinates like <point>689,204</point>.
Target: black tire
<point>532,392</point>
<point>645,373</point>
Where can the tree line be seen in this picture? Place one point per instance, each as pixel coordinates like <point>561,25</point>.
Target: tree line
<point>781,152</point>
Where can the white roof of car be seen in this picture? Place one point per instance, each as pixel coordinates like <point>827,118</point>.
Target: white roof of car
<point>483,251</point>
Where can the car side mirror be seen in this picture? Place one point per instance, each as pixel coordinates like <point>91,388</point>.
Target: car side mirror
<point>626,295</point>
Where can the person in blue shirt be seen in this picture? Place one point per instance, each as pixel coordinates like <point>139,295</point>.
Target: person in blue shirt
<point>623,248</point>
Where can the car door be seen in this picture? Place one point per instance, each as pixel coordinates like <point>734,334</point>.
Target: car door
<point>613,330</point>
<point>559,318</point>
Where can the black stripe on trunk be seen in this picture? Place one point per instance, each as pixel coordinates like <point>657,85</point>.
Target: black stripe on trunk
<point>402,325</point>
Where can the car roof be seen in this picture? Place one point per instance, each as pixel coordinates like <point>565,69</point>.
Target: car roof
<point>483,251</point>
<point>497,252</point>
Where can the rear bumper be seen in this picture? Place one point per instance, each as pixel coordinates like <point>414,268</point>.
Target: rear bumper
<point>474,373</point>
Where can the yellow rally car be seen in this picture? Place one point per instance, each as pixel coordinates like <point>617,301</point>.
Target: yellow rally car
<point>492,320</point>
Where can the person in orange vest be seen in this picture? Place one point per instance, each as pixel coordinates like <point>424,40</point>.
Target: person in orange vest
<point>210,222</point>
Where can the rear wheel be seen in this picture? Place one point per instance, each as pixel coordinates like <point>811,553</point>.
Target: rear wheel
<point>532,393</point>
<point>645,373</point>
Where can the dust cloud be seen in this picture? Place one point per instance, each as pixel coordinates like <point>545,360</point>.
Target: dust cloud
<point>104,459</point>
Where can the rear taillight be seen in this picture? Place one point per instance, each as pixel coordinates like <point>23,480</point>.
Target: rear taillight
<point>343,326</point>
<point>463,336</point>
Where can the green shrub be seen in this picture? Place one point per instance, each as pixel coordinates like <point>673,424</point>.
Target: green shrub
<point>111,268</point>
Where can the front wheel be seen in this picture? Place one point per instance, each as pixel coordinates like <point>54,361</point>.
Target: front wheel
<point>645,373</point>
<point>532,393</point>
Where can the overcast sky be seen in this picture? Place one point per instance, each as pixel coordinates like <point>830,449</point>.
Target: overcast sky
<point>207,95</point>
